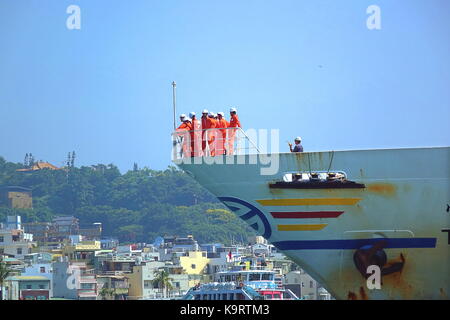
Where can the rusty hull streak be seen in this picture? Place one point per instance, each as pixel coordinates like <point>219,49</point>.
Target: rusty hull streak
<point>393,282</point>
<point>396,280</point>
<point>276,191</point>
<point>352,296</point>
<point>362,293</point>
<point>383,189</point>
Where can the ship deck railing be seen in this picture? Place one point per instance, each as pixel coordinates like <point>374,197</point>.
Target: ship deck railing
<point>212,142</point>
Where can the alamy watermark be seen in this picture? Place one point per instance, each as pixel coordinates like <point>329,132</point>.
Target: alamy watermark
<point>73,280</point>
<point>373,22</point>
<point>73,21</point>
<point>249,147</point>
<point>374,280</point>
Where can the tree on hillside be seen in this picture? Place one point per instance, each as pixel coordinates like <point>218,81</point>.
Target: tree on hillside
<point>136,206</point>
<point>72,160</point>
<point>31,160</point>
<point>68,160</point>
<point>25,162</point>
<point>5,272</point>
<point>162,281</point>
<point>106,293</point>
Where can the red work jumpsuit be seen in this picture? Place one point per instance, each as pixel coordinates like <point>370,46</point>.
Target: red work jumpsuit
<point>222,124</point>
<point>234,123</point>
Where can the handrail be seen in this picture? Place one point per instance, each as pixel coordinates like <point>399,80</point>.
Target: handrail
<point>249,139</point>
<point>211,142</point>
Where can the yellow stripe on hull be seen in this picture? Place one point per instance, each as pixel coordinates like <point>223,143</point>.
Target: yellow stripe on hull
<point>310,202</point>
<point>301,227</point>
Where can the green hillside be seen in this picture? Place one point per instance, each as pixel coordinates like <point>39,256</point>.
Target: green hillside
<point>135,206</point>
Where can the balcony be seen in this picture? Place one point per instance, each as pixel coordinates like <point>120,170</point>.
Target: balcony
<point>88,279</point>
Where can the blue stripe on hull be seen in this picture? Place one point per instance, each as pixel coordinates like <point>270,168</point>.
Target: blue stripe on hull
<point>355,243</point>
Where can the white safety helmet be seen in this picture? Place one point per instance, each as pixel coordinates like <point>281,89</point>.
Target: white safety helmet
<point>233,110</point>
<point>182,116</point>
<point>221,113</point>
<point>205,111</point>
<point>211,114</point>
<point>298,139</point>
<point>187,119</point>
<point>191,114</point>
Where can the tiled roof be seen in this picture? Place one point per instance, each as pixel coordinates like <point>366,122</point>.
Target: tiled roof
<point>39,166</point>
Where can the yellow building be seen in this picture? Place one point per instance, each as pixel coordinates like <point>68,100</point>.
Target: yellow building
<point>140,281</point>
<point>16,197</point>
<point>83,251</point>
<point>195,265</point>
<point>195,262</point>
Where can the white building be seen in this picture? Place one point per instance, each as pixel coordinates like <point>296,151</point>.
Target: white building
<point>41,269</point>
<point>72,280</point>
<point>140,281</point>
<point>15,242</point>
<point>302,284</point>
<point>261,249</point>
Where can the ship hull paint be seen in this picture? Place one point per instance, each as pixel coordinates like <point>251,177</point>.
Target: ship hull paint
<point>404,202</point>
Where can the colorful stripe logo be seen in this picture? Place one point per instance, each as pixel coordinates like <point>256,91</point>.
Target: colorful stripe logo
<point>350,244</point>
<point>301,227</point>
<point>306,214</point>
<point>310,202</point>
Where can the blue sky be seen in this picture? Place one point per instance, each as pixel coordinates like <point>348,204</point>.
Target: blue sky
<point>308,68</point>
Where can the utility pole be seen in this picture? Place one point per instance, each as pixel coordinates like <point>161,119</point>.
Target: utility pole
<point>174,85</point>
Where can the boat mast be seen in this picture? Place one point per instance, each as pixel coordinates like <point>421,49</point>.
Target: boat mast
<point>174,85</point>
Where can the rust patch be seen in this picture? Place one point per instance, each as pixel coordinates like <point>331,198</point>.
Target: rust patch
<point>362,293</point>
<point>394,285</point>
<point>396,280</point>
<point>401,259</point>
<point>384,189</point>
<point>352,296</point>
<point>275,191</point>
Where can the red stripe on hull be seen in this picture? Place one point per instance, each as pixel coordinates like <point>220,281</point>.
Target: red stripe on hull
<point>307,214</point>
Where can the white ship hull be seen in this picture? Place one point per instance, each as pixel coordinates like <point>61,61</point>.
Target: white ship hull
<point>404,202</point>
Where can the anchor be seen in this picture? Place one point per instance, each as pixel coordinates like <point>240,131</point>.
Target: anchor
<point>375,255</point>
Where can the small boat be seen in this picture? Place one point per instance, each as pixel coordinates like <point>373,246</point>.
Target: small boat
<point>241,285</point>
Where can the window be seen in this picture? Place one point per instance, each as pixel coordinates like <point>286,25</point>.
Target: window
<point>266,276</point>
<point>41,286</point>
<point>254,277</point>
<point>42,269</point>
<point>19,250</point>
<point>86,286</point>
<point>28,286</point>
<point>311,284</point>
<point>193,266</point>
<point>2,239</point>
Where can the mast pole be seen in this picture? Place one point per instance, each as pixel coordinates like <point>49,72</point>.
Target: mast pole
<point>174,85</point>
